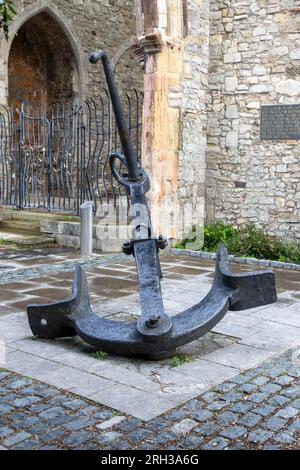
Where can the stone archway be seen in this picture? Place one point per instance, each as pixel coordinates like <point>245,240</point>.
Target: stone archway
<point>40,15</point>
<point>38,69</point>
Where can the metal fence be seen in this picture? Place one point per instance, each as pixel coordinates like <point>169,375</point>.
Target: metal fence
<point>55,160</point>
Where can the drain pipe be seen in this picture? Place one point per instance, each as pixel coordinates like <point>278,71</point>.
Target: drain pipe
<point>86,229</point>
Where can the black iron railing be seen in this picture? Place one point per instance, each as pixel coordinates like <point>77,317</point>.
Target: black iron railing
<point>55,160</point>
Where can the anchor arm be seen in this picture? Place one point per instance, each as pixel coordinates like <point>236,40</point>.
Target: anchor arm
<point>126,339</point>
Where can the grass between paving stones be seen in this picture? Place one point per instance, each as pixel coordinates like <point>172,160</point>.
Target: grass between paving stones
<point>248,241</point>
<point>178,360</point>
<point>100,355</point>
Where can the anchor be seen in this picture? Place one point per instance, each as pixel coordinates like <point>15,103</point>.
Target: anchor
<point>155,335</point>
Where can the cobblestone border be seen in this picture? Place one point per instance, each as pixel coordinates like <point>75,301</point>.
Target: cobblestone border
<point>238,260</point>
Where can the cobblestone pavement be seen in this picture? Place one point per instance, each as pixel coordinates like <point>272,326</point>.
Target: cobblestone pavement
<point>258,409</point>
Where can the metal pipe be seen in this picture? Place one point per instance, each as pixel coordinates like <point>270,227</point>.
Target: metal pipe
<point>86,228</point>
<point>129,153</point>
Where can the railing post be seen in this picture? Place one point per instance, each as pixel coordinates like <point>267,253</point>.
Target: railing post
<point>86,228</point>
<point>48,125</point>
<point>20,163</point>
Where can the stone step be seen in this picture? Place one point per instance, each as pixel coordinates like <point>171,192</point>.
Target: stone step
<point>104,245</point>
<point>62,217</point>
<point>31,227</point>
<point>100,229</point>
<point>105,238</point>
<point>108,236</point>
<point>4,216</point>
<point>25,241</point>
<point>34,216</point>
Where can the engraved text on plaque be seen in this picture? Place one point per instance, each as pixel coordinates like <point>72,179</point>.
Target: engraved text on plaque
<point>280,122</point>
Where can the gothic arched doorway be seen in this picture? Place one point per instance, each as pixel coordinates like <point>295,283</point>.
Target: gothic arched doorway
<point>41,65</point>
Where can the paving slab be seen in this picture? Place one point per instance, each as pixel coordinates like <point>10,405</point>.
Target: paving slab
<point>287,316</point>
<point>239,356</point>
<point>44,348</point>
<point>209,372</point>
<point>68,378</point>
<point>137,403</point>
<point>274,336</point>
<point>12,332</point>
<point>28,364</point>
<point>234,330</point>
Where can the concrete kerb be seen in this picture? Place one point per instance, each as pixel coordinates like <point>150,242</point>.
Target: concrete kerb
<point>237,259</point>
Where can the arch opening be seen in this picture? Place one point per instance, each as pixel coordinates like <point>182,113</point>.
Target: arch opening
<point>41,66</point>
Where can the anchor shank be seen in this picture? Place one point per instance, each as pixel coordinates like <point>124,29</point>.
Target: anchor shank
<point>154,322</point>
<point>129,153</point>
<point>149,282</point>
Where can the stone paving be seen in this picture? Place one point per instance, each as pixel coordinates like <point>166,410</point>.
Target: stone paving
<point>258,409</point>
<point>129,403</point>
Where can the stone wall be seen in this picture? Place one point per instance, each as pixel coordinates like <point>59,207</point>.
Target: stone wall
<point>193,106</point>
<point>254,60</point>
<point>89,25</point>
<point>175,36</point>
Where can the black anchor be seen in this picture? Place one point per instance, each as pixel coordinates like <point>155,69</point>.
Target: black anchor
<point>155,335</point>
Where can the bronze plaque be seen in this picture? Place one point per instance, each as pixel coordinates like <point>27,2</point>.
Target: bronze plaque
<point>280,122</point>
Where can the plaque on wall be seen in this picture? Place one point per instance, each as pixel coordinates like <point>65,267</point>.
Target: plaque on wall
<point>280,122</point>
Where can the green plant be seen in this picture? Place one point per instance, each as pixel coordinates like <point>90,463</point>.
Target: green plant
<point>180,246</point>
<point>7,12</point>
<point>290,251</point>
<point>217,234</point>
<point>100,355</point>
<point>248,241</point>
<point>178,360</point>
<point>193,239</point>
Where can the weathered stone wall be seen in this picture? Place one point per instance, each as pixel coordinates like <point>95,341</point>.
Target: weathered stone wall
<point>90,25</point>
<point>254,60</point>
<point>176,36</point>
<point>193,106</point>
